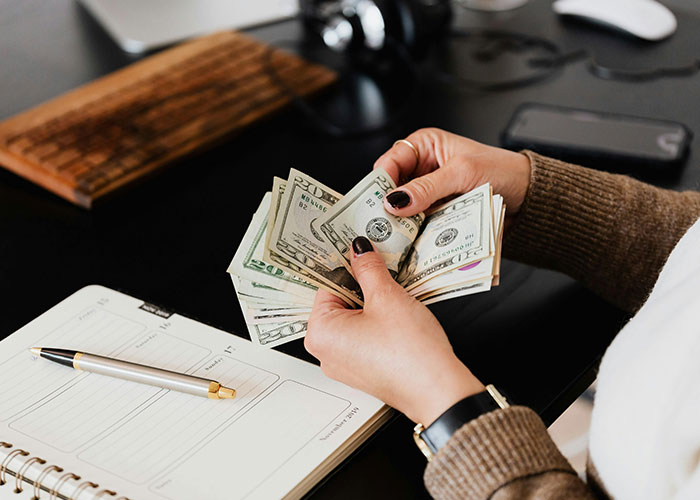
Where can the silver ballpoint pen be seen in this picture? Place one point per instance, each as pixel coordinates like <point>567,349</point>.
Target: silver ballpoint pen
<point>136,373</point>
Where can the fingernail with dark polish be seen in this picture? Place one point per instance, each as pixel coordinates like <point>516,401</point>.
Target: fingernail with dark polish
<point>398,199</point>
<point>361,245</point>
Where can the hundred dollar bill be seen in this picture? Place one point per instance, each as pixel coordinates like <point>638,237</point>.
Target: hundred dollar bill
<point>453,235</point>
<point>296,245</point>
<point>248,261</point>
<point>361,213</point>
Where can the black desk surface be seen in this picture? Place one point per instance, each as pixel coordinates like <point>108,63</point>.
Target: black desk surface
<point>169,240</point>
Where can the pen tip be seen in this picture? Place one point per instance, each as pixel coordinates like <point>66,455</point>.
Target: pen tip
<point>36,351</point>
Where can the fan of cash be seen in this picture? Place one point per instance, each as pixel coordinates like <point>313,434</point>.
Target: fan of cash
<point>300,240</point>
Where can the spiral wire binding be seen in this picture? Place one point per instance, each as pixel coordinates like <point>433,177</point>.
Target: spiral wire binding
<point>104,492</point>
<point>23,470</point>
<point>7,460</point>
<point>44,473</point>
<point>53,492</point>
<point>82,487</point>
<point>38,484</point>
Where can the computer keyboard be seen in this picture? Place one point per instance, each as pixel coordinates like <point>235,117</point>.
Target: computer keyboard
<point>100,137</point>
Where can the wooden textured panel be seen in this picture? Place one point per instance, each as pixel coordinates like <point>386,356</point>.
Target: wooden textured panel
<point>99,137</point>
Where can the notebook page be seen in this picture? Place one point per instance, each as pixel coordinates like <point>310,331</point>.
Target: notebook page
<point>146,442</point>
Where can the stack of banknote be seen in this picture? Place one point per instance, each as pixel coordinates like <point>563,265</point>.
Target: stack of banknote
<point>300,239</point>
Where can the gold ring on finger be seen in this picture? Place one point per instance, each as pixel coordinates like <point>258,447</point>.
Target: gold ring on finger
<point>410,145</point>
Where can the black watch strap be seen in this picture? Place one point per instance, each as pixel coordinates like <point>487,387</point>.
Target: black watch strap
<point>441,430</point>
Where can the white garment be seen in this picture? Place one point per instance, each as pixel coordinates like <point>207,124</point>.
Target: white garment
<point>645,429</point>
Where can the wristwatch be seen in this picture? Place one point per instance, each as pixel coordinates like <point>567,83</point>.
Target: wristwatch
<point>430,439</point>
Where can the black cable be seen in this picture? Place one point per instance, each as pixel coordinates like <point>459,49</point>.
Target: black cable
<point>642,75</point>
<point>494,44</point>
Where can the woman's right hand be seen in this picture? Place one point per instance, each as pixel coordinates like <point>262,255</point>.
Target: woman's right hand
<point>450,164</point>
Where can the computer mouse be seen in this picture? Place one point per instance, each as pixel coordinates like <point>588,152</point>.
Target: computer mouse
<point>646,19</point>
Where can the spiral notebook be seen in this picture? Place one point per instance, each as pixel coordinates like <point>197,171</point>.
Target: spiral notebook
<point>76,435</point>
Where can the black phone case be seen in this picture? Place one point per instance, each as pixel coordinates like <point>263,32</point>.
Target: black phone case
<point>596,158</point>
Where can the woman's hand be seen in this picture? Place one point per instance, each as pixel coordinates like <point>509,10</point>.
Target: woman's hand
<point>449,164</point>
<point>394,348</point>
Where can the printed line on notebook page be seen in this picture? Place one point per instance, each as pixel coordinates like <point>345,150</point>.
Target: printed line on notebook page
<point>168,429</point>
<point>26,380</point>
<point>259,444</point>
<point>95,403</point>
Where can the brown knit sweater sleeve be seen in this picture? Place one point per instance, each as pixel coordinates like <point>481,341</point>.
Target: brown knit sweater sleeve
<point>503,455</point>
<point>613,234</point>
<point>610,232</point>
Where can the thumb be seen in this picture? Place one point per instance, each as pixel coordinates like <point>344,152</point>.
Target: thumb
<point>420,193</point>
<point>369,269</point>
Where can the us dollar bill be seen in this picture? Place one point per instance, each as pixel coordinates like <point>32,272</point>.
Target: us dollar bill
<point>476,271</point>
<point>256,293</point>
<point>297,246</point>
<point>255,318</point>
<point>273,313</point>
<point>248,261</point>
<point>278,186</point>
<point>274,334</point>
<point>361,213</point>
<point>299,239</point>
<point>459,291</point>
<point>499,245</point>
<point>453,235</point>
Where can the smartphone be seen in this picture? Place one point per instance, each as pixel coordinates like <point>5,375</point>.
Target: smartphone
<point>597,139</point>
